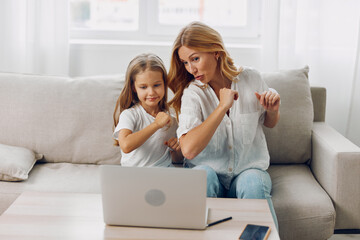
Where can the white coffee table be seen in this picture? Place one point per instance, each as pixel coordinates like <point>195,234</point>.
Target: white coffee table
<point>38,215</point>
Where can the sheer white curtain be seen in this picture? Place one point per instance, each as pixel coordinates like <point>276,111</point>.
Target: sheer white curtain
<point>353,129</point>
<point>34,36</point>
<point>324,34</point>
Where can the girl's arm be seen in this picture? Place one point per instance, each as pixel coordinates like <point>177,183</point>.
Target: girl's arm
<point>177,157</point>
<point>130,141</point>
<point>194,141</point>
<point>271,103</point>
<point>176,154</point>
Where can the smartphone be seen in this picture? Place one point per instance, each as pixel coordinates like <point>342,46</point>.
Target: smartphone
<point>255,232</point>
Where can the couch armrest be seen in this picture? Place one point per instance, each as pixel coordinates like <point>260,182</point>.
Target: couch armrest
<point>336,165</point>
<point>318,95</point>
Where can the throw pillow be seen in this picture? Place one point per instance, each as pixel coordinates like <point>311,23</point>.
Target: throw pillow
<point>16,162</point>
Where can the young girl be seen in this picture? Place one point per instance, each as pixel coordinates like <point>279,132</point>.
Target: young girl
<point>144,129</point>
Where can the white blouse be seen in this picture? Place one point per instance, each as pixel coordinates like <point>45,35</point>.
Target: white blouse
<point>239,142</point>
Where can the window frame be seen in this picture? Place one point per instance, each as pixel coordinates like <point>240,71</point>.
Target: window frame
<point>151,31</point>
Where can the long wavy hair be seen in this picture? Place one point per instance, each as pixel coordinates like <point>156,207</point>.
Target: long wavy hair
<point>202,38</point>
<point>128,96</point>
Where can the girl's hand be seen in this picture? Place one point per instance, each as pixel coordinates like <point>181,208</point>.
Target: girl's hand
<point>269,100</point>
<point>227,97</point>
<point>162,119</point>
<point>173,143</point>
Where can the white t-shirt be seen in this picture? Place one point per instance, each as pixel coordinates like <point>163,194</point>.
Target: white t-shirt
<point>153,152</point>
<point>239,142</point>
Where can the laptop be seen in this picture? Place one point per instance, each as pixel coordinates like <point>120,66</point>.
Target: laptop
<point>154,197</point>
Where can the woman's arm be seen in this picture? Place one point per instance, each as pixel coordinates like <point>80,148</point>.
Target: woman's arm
<point>271,103</point>
<point>271,118</point>
<point>129,141</point>
<point>194,141</point>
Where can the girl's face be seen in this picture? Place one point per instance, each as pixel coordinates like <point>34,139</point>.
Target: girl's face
<point>150,89</point>
<point>202,65</point>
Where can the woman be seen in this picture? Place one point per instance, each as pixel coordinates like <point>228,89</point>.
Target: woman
<point>221,110</point>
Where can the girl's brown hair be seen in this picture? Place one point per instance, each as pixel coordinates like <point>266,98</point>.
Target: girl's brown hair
<point>128,96</point>
<point>202,38</point>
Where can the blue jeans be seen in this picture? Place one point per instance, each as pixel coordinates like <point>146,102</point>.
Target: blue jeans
<point>249,184</point>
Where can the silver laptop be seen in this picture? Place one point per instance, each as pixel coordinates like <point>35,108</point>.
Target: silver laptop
<point>154,197</point>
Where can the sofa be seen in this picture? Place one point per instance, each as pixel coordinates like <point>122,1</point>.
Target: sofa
<point>56,132</point>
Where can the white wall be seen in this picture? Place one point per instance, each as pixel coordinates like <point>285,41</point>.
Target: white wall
<point>110,58</point>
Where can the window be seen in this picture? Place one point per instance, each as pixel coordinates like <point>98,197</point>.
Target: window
<point>157,20</point>
<point>111,15</point>
<point>226,13</point>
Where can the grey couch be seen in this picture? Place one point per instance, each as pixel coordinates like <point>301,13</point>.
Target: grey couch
<point>314,170</point>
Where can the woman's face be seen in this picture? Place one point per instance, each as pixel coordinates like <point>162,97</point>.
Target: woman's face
<point>202,65</point>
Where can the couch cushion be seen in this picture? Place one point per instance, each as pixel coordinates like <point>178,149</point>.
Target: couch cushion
<point>53,177</point>
<point>67,120</point>
<point>301,205</point>
<point>16,162</point>
<point>290,140</point>
<point>58,177</point>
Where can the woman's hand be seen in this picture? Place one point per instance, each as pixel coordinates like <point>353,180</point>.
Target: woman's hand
<point>269,100</point>
<point>271,103</point>
<point>227,97</point>
<point>162,119</point>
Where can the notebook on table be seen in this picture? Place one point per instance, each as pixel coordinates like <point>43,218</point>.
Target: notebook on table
<point>154,197</point>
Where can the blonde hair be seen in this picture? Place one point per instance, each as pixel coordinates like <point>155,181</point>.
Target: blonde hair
<point>202,38</point>
<point>128,96</point>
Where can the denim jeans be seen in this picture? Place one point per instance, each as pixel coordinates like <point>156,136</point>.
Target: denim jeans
<point>250,184</point>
